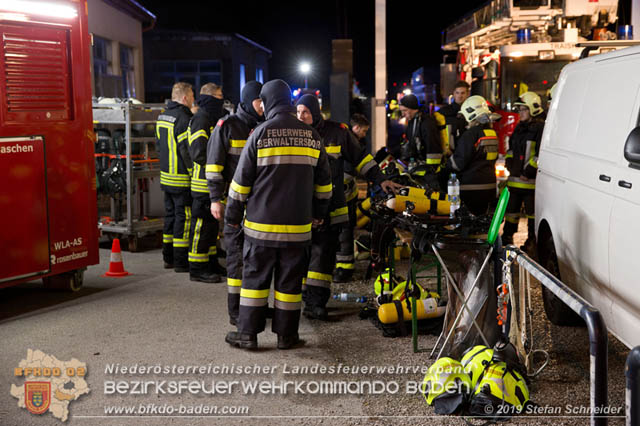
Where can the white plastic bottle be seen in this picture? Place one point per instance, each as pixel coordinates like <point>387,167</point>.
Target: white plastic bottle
<point>453,190</point>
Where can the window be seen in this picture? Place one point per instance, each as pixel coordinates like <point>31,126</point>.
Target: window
<point>128,76</point>
<point>101,62</point>
<point>259,75</point>
<point>198,73</point>
<point>243,78</point>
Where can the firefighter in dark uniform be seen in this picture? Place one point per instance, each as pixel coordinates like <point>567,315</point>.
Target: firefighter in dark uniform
<point>340,145</point>
<point>474,157</point>
<point>522,162</point>
<point>422,141</point>
<point>223,153</point>
<point>284,179</point>
<point>451,124</point>
<point>175,170</point>
<point>344,257</point>
<point>203,254</point>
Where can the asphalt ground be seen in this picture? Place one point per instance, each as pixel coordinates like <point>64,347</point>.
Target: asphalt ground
<point>156,317</point>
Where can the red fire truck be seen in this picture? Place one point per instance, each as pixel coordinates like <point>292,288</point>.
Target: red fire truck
<point>47,173</point>
<point>508,47</point>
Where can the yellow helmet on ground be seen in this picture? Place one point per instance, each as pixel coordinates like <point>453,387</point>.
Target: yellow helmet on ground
<point>474,107</point>
<point>500,386</point>
<point>475,360</point>
<point>446,386</point>
<point>532,101</point>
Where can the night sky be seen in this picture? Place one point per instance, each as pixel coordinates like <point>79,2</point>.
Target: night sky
<point>297,31</point>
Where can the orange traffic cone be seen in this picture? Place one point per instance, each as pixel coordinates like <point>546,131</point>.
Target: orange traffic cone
<point>116,267</point>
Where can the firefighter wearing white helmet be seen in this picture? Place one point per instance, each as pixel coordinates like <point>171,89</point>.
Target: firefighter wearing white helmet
<point>522,162</point>
<point>475,155</point>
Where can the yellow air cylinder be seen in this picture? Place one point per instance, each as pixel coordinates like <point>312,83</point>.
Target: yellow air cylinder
<point>425,308</point>
<point>423,205</point>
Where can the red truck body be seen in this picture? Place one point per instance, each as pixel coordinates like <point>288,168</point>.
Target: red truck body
<point>48,211</point>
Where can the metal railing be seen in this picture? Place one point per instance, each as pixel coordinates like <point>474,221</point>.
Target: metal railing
<point>632,393</point>
<point>595,325</point>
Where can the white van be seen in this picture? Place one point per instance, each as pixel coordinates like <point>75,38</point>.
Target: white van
<point>588,190</point>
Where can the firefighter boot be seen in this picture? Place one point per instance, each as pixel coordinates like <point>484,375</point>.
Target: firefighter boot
<point>198,272</point>
<point>289,342</point>
<point>342,275</point>
<point>215,267</point>
<point>316,312</point>
<point>242,340</point>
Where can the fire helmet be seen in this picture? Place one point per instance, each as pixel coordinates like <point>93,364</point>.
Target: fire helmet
<point>446,386</point>
<point>475,360</point>
<point>474,107</point>
<point>532,101</point>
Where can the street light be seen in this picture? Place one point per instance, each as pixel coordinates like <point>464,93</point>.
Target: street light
<point>305,68</point>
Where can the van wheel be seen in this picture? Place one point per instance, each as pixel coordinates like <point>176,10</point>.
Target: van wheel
<point>68,281</point>
<point>557,311</point>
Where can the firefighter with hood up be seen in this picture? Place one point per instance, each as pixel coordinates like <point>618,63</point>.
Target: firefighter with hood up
<point>284,179</point>
<point>175,170</point>
<point>475,155</point>
<point>522,162</point>
<point>223,154</point>
<point>203,253</point>
<point>340,145</point>
<point>422,140</point>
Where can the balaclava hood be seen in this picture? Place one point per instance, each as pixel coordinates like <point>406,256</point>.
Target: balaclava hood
<point>276,97</point>
<point>312,103</point>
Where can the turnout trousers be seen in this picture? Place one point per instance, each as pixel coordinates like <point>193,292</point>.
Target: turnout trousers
<point>324,245</point>
<point>344,256</point>
<point>234,241</point>
<point>177,226</point>
<point>518,197</point>
<point>203,237</point>
<point>285,266</point>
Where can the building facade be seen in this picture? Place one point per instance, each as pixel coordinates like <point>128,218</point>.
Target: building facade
<point>116,28</point>
<point>198,58</point>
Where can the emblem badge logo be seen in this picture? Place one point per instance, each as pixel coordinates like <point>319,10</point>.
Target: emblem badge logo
<point>37,396</point>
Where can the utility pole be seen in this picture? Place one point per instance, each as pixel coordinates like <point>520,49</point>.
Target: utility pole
<point>379,113</point>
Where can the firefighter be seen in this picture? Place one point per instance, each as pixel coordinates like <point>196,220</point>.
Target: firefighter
<point>344,257</point>
<point>223,153</point>
<point>451,125</point>
<point>422,140</point>
<point>203,254</point>
<point>175,170</point>
<point>474,158</point>
<point>340,145</point>
<point>522,162</point>
<point>284,179</point>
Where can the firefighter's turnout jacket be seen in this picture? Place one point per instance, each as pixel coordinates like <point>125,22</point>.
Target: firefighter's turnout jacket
<point>281,153</point>
<point>474,159</point>
<point>450,126</point>
<point>172,139</point>
<point>224,149</point>
<point>341,145</point>
<point>200,129</point>
<point>522,156</point>
<point>422,140</point>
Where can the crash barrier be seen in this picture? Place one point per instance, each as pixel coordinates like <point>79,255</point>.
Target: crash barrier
<point>595,325</point>
<point>632,394</point>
